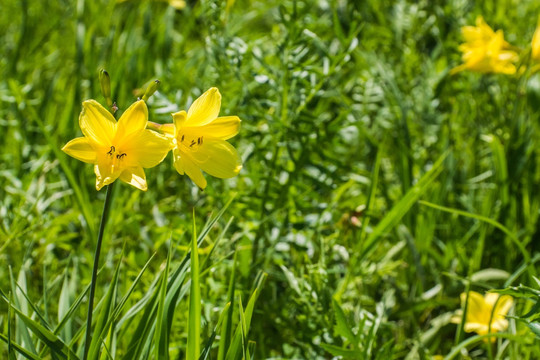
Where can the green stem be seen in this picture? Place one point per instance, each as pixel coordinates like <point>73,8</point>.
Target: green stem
<point>104,217</point>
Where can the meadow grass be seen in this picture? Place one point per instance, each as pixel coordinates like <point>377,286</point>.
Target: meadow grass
<point>376,187</point>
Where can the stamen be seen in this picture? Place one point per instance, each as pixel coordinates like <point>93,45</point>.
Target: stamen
<point>111,151</point>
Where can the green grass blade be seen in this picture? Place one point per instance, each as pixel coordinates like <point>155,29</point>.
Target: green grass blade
<point>404,205</point>
<point>206,351</point>
<point>161,334</point>
<point>226,331</point>
<point>236,350</point>
<point>342,326</point>
<point>22,332</point>
<point>194,322</point>
<point>53,342</point>
<point>515,240</point>
<point>11,345</point>
<point>63,308</point>
<point>102,324</point>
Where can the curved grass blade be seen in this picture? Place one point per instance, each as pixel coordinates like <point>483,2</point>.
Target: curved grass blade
<point>404,205</point>
<point>11,345</point>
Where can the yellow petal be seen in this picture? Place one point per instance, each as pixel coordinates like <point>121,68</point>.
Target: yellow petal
<point>177,4</point>
<point>193,172</point>
<point>205,108</point>
<point>217,157</point>
<point>96,123</point>
<point>477,309</point>
<point>80,149</point>
<point>147,149</point>
<point>133,120</point>
<point>479,328</point>
<point>224,127</point>
<point>179,118</point>
<point>135,176</point>
<point>167,129</point>
<point>177,161</point>
<point>105,175</point>
<point>536,44</point>
<point>504,305</point>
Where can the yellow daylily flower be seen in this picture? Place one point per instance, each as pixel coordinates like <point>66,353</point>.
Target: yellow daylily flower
<point>535,44</point>
<point>485,50</point>
<point>199,140</point>
<point>481,315</point>
<point>118,149</point>
<point>177,4</point>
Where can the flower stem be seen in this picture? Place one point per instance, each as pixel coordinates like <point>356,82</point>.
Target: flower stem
<point>104,218</point>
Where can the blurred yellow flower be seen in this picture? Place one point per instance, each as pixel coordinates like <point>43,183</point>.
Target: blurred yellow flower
<point>177,4</point>
<point>536,44</point>
<point>118,149</point>
<point>485,51</point>
<point>481,315</point>
<point>199,139</point>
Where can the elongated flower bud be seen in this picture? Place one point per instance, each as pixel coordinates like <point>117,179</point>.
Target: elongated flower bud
<point>105,82</point>
<point>151,89</point>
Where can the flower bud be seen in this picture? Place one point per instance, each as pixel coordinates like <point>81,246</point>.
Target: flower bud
<point>105,82</point>
<point>150,90</point>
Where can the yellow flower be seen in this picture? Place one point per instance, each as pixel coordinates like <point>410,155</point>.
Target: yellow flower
<point>481,315</point>
<point>536,44</point>
<point>177,4</point>
<point>485,51</point>
<point>118,149</point>
<point>199,139</point>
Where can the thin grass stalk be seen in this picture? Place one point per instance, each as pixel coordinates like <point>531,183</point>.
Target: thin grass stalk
<point>104,218</point>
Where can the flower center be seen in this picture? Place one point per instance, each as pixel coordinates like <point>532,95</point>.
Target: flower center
<point>116,157</point>
<point>187,142</point>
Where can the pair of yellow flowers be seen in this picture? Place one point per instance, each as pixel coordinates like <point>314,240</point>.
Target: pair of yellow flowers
<point>486,51</point>
<point>120,150</point>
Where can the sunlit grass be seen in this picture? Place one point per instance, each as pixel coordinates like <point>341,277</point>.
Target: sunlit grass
<point>375,188</point>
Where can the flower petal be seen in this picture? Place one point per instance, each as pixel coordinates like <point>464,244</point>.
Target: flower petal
<point>96,123</point>
<point>193,172</point>
<point>147,149</point>
<point>477,309</point>
<point>205,108</point>
<point>504,305</point>
<point>135,176</point>
<point>217,157</point>
<point>105,175</point>
<point>479,328</point>
<point>133,120</point>
<point>224,127</point>
<point>177,161</point>
<point>81,149</point>
<point>179,118</point>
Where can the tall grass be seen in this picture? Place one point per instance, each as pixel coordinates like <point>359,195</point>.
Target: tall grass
<point>376,187</point>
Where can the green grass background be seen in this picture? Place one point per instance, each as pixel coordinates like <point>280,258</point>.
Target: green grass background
<point>345,107</point>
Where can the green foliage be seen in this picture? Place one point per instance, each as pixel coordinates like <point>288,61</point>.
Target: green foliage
<point>376,187</point>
